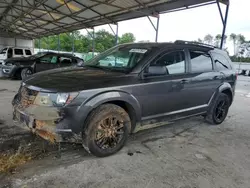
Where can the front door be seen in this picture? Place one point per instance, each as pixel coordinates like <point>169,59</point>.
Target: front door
<point>160,96</point>
<point>47,62</point>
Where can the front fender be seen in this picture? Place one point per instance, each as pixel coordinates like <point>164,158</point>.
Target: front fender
<point>224,87</point>
<point>105,97</point>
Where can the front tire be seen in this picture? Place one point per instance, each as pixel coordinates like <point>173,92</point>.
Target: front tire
<point>218,112</point>
<point>107,130</point>
<point>26,72</point>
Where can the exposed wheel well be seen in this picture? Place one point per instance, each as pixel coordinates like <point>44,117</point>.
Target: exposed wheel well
<point>229,94</point>
<point>129,109</point>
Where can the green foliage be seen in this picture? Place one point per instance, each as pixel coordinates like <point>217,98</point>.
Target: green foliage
<point>126,38</point>
<point>83,43</point>
<point>240,59</point>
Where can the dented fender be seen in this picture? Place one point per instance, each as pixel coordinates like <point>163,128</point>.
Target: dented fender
<point>105,97</point>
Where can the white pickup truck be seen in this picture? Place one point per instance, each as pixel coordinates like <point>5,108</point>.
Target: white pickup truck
<point>9,52</point>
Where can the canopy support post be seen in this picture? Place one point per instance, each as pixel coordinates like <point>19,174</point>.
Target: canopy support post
<point>73,43</point>
<point>58,42</point>
<point>93,43</point>
<point>115,32</point>
<point>156,28</point>
<point>39,44</point>
<point>224,21</point>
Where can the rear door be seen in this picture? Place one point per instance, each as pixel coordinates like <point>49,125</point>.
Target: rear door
<point>47,62</point>
<point>204,79</point>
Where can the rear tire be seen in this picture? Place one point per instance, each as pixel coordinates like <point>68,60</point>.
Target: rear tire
<point>107,130</point>
<point>218,111</point>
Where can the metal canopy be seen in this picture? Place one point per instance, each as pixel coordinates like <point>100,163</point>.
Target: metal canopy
<point>38,18</point>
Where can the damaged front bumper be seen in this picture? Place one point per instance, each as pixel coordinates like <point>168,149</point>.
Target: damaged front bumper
<point>50,123</point>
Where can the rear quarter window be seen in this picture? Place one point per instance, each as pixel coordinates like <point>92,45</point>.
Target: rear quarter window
<point>18,51</point>
<point>221,62</point>
<point>27,52</point>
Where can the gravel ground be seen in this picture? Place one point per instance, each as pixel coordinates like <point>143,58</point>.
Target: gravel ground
<point>186,154</point>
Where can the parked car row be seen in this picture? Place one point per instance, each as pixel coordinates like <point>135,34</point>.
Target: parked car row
<point>21,67</point>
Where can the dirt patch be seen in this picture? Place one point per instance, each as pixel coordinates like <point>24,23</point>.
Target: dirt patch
<point>10,161</point>
<point>15,153</point>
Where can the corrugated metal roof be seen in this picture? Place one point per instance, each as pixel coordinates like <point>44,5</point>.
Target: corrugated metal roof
<point>36,18</point>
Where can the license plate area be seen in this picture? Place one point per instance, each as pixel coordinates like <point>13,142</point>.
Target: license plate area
<point>21,117</point>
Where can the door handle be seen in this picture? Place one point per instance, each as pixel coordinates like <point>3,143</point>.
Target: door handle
<point>184,81</point>
<point>218,77</point>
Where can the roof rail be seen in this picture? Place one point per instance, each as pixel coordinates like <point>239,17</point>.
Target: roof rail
<point>193,43</point>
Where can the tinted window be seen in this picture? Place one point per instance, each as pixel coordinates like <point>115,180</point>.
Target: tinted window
<point>27,52</point>
<point>200,61</point>
<point>220,61</point>
<point>65,60</point>
<point>18,51</point>
<point>48,59</point>
<point>174,62</point>
<point>3,51</point>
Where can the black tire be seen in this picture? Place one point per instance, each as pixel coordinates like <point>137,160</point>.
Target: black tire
<point>25,73</point>
<point>105,114</point>
<point>219,109</point>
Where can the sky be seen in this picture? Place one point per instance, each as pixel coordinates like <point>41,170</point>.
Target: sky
<point>190,24</point>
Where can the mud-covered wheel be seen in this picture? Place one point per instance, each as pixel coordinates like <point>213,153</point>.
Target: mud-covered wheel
<point>218,112</point>
<point>25,73</point>
<point>107,130</point>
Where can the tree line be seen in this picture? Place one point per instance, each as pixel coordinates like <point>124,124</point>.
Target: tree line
<point>78,42</point>
<point>241,46</point>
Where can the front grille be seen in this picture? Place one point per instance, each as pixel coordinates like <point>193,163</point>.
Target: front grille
<point>26,97</point>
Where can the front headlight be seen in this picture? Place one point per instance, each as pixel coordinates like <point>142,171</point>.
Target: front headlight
<point>9,64</point>
<point>54,99</point>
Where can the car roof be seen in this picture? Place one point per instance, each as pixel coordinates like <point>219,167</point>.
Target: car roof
<point>178,43</point>
<point>62,54</point>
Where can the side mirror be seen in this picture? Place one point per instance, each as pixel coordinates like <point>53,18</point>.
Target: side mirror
<point>38,61</point>
<point>156,71</point>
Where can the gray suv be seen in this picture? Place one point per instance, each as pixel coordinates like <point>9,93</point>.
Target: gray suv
<point>146,85</point>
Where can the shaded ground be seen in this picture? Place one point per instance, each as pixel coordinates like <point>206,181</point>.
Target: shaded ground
<point>186,154</point>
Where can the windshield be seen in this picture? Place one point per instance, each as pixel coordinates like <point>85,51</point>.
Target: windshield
<point>118,58</point>
<point>3,51</point>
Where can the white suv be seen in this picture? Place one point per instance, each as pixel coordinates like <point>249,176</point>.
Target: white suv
<point>9,52</point>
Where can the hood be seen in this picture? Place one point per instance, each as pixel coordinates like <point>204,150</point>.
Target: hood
<point>72,79</point>
<point>19,59</point>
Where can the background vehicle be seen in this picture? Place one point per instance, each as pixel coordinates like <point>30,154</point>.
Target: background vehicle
<point>100,105</point>
<point>23,67</point>
<point>10,52</point>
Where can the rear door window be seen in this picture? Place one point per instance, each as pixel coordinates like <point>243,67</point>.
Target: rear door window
<point>27,52</point>
<point>18,51</point>
<point>49,59</point>
<point>200,61</point>
<point>221,62</point>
